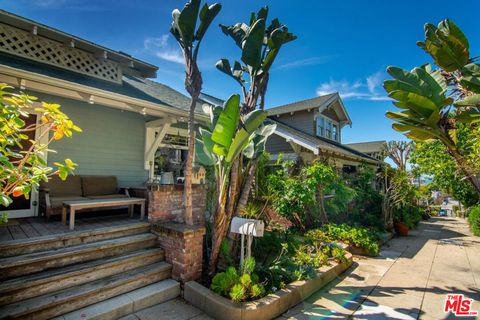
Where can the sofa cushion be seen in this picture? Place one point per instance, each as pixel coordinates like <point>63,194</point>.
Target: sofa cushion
<point>72,186</point>
<point>99,185</point>
<point>109,196</point>
<point>57,202</point>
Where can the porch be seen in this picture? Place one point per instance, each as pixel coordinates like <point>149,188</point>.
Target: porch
<point>33,227</point>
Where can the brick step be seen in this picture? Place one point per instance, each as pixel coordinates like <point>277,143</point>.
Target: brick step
<point>39,261</point>
<point>32,285</point>
<point>60,302</point>
<point>44,243</point>
<point>127,303</point>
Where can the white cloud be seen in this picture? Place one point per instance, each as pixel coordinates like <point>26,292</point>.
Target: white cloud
<point>306,62</point>
<point>161,48</point>
<point>368,89</point>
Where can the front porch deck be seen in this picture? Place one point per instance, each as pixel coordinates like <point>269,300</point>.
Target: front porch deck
<point>24,228</point>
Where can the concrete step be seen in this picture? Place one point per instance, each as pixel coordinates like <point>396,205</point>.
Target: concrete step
<point>39,261</point>
<point>32,285</point>
<point>127,303</point>
<point>44,243</point>
<point>64,301</point>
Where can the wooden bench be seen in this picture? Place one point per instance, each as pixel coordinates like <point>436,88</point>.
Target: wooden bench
<point>75,205</point>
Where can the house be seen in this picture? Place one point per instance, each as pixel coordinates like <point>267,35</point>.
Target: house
<point>129,122</point>
<point>312,129</point>
<point>375,149</point>
<point>134,130</point>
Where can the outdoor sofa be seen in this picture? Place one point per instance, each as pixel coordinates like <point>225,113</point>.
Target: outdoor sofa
<point>54,192</point>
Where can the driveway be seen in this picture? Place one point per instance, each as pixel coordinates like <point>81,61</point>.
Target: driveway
<point>409,280</point>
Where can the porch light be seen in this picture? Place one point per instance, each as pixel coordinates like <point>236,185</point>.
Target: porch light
<point>91,100</point>
<point>143,111</point>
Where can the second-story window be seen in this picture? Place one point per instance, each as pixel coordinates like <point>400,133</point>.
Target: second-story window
<point>328,130</point>
<point>320,126</point>
<point>335,132</point>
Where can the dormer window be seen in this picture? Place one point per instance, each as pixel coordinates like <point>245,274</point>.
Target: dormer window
<point>327,128</point>
<point>320,126</point>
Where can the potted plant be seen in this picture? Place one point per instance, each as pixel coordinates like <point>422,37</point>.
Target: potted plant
<point>400,222</point>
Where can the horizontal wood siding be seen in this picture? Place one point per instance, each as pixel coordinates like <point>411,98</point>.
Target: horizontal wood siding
<point>276,144</point>
<point>112,141</point>
<point>302,120</point>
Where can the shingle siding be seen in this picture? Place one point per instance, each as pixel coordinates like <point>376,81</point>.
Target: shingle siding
<point>112,141</point>
<point>276,144</point>
<point>301,120</point>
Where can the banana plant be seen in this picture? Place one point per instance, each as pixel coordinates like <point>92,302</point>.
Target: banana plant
<point>432,100</point>
<point>189,37</point>
<point>229,136</point>
<point>259,45</point>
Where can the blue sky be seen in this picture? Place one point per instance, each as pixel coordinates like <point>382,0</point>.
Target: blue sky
<point>342,46</point>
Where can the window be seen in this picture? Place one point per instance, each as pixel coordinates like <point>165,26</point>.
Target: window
<point>335,132</point>
<point>320,126</point>
<point>328,130</point>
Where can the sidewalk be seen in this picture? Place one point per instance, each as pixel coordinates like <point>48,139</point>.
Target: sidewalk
<point>409,280</point>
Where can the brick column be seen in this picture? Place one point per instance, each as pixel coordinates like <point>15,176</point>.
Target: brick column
<point>183,245</point>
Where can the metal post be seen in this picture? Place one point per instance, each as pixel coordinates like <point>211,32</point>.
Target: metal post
<point>242,250</point>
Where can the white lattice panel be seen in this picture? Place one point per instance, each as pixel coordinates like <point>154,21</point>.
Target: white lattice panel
<point>27,45</point>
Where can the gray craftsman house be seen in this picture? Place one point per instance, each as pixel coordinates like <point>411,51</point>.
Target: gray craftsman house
<point>312,129</point>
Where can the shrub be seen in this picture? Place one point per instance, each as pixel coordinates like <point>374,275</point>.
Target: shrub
<point>238,286</point>
<point>474,220</point>
<point>357,236</point>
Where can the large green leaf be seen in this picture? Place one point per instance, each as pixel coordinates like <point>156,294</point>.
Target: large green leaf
<point>253,43</point>
<point>447,45</point>
<point>254,119</point>
<point>239,143</point>
<point>237,32</point>
<point>202,155</point>
<point>470,101</point>
<point>226,125</point>
<point>471,83</point>
<point>187,21</point>
<point>207,14</point>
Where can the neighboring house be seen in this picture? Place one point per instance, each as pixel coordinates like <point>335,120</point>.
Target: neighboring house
<point>375,149</point>
<point>312,129</point>
<point>125,117</point>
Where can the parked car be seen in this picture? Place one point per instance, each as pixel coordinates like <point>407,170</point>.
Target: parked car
<point>442,213</point>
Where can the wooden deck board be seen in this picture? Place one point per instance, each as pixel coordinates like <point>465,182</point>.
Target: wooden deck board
<point>17,232</point>
<point>32,227</point>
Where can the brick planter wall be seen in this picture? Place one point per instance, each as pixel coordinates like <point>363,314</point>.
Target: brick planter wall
<point>183,245</point>
<point>167,203</point>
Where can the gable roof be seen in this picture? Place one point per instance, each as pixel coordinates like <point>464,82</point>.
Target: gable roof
<point>321,103</point>
<point>368,146</point>
<point>312,103</point>
<point>131,86</point>
<point>317,144</point>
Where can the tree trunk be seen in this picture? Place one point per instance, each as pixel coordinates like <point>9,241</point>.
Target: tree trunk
<point>247,186</point>
<point>224,217</point>
<point>464,168</point>
<point>189,164</point>
<point>321,204</point>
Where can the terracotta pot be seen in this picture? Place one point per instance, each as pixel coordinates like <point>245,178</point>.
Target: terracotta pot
<point>401,228</point>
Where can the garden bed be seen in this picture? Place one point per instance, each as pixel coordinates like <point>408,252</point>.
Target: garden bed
<point>268,307</point>
<point>359,251</point>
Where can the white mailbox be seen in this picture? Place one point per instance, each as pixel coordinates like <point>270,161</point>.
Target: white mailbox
<point>248,227</point>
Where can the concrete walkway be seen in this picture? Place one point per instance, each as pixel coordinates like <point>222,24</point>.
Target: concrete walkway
<point>409,280</point>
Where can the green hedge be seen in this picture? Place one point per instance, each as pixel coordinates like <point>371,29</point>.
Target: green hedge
<point>474,220</point>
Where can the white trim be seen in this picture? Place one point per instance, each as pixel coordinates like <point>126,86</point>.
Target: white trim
<point>288,137</point>
<point>81,92</point>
